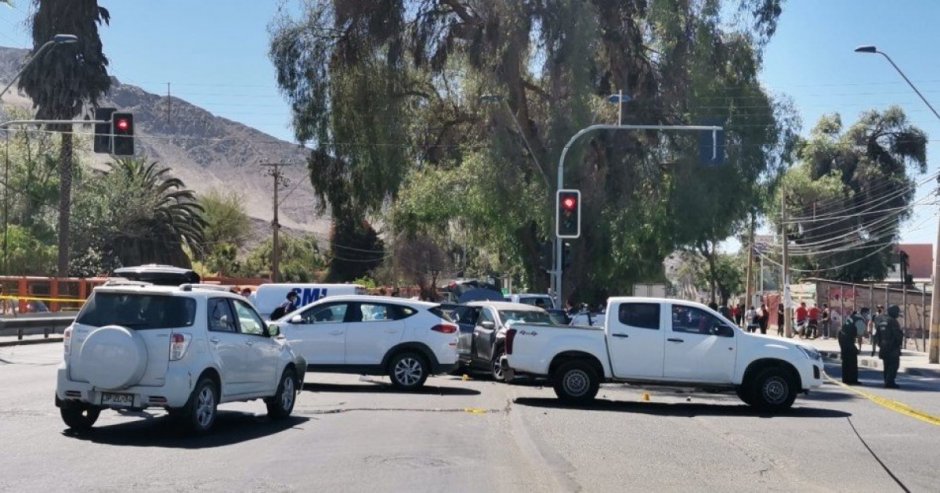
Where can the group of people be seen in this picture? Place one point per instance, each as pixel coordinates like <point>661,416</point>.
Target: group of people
<point>885,334</point>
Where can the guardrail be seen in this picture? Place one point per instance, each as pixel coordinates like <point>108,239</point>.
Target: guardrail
<point>32,325</point>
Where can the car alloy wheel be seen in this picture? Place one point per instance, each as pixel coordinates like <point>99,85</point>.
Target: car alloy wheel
<point>287,393</point>
<point>775,390</point>
<point>576,382</point>
<point>205,407</point>
<point>408,371</point>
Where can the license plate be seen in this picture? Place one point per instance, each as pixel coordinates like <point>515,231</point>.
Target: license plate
<point>109,399</point>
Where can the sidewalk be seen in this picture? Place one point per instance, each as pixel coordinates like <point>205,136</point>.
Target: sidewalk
<point>912,362</point>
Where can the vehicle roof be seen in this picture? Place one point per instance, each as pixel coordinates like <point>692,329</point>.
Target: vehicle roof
<point>540,295</point>
<point>296,284</point>
<point>645,299</point>
<point>144,288</point>
<point>366,298</point>
<point>507,305</point>
<point>169,269</point>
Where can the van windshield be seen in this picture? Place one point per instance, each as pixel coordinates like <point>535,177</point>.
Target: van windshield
<point>137,311</point>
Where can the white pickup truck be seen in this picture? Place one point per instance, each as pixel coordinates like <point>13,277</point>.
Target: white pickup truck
<point>657,341</point>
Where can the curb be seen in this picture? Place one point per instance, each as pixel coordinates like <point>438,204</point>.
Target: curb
<point>26,342</point>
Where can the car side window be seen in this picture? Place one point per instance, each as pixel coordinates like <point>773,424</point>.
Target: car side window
<point>249,321</point>
<point>325,314</point>
<point>693,320</point>
<point>373,312</point>
<point>221,318</point>
<point>485,316</point>
<point>640,315</point>
<point>399,312</point>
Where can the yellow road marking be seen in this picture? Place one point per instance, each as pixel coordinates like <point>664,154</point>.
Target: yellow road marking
<point>898,407</point>
<point>474,410</point>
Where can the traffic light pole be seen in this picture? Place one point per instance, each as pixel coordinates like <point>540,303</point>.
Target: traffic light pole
<point>559,290</point>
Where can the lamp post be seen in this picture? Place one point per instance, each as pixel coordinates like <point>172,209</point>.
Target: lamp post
<point>934,352</point>
<point>619,99</point>
<point>58,39</point>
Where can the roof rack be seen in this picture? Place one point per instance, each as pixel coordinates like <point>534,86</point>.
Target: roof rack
<point>121,281</point>
<point>207,287</point>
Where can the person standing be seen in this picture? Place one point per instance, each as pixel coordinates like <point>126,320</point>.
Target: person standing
<point>812,328</point>
<point>801,315</point>
<point>874,326</point>
<point>849,353</point>
<point>866,317</point>
<point>824,321</point>
<point>288,306</point>
<point>890,339</point>
<point>780,319</point>
<point>750,318</point>
<point>763,318</point>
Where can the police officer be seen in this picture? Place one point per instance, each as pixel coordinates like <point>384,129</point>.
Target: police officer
<point>847,335</point>
<point>890,339</point>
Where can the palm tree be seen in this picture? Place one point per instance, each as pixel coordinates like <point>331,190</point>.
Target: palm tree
<point>63,80</point>
<point>159,218</point>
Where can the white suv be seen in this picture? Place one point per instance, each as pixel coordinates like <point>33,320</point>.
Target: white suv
<point>404,339</point>
<point>186,349</point>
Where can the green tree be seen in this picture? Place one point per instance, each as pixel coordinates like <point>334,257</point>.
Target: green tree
<point>301,259</point>
<point>137,213</point>
<point>390,94</point>
<point>62,81</point>
<point>227,228</point>
<point>849,194</point>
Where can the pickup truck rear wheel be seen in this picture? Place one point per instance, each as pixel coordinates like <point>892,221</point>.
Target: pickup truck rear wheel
<point>576,382</point>
<point>773,389</point>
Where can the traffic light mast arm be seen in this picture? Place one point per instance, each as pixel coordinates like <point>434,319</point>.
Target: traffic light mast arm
<point>586,130</point>
<point>14,123</point>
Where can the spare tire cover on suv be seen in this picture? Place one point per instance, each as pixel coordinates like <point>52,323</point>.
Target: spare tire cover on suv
<point>113,357</point>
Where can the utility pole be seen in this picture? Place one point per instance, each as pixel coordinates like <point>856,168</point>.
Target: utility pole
<point>274,171</point>
<point>749,287</point>
<point>787,322</point>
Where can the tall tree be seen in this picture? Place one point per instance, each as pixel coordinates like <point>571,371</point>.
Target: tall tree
<point>62,81</point>
<point>850,192</point>
<point>397,85</point>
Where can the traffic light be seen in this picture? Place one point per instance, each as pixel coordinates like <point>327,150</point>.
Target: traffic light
<point>568,213</point>
<point>711,144</point>
<point>122,126</point>
<point>566,255</point>
<point>545,255</point>
<point>103,130</point>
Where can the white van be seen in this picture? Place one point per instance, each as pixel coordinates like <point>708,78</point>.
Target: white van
<point>270,296</point>
<point>540,300</point>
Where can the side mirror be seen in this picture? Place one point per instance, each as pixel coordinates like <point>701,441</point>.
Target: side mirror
<point>296,319</point>
<point>488,325</point>
<point>273,330</point>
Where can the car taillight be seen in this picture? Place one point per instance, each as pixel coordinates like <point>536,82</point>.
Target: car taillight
<point>444,328</point>
<point>67,341</point>
<point>178,345</point>
<point>510,336</point>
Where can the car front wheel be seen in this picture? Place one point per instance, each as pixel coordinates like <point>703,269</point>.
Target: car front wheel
<point>773,389</point>
<point>496,370</point>
<point>408,371</point>
<point>282,403</point>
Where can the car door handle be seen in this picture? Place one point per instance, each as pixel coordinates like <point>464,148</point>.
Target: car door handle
<point>675,340</point>
<point>336,332</point>
<point>620,335</point>
<point>214,340</point>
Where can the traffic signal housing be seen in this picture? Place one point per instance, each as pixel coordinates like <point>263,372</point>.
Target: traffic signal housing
<point>103,130</point>
<point>568,213</point>
<point>122,129</point>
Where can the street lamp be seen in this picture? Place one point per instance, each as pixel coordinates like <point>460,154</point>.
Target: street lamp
<point>619,99</point>
<point>934,354</point>
<point>58,39</point>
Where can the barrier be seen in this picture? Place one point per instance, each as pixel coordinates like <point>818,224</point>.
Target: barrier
<point>34,325</point>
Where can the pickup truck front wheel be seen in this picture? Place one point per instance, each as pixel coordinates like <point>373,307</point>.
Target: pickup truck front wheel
<point>576,382</point>
<point>773,389</point>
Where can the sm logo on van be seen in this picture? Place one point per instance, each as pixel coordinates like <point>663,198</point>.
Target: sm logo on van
<point>309,295</point>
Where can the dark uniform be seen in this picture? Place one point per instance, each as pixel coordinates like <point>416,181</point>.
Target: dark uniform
<point>847,336</point>
<point>890,339</point>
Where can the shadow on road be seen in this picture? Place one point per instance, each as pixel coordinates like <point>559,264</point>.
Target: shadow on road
<point>372,387</point>
<point>913,379</point>
<point>230,427</point>
<point>680,409</point>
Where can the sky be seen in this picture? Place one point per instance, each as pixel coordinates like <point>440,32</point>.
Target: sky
<point>214,54</point>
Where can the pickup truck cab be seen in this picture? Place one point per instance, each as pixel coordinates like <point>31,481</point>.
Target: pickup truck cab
<point>657,341</point>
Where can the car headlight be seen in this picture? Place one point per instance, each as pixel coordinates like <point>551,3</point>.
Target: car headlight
<point>810,353</point>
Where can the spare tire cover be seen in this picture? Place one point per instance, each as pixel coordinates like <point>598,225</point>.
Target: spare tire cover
<point>114,357</point>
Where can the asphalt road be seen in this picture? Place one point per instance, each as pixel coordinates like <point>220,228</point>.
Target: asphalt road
<point>357,434</point>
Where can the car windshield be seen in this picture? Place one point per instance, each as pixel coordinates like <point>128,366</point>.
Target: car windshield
<point>138,311</point>
<point>525,316</point>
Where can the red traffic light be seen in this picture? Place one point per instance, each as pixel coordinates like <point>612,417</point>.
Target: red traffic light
<point>569,203</point>
<point>122,124</point>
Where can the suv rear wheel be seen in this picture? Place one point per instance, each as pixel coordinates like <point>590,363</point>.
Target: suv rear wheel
<point>79,417</point>
<point>281,403</point>
<point>202,407</point>
<point>408,370</point>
